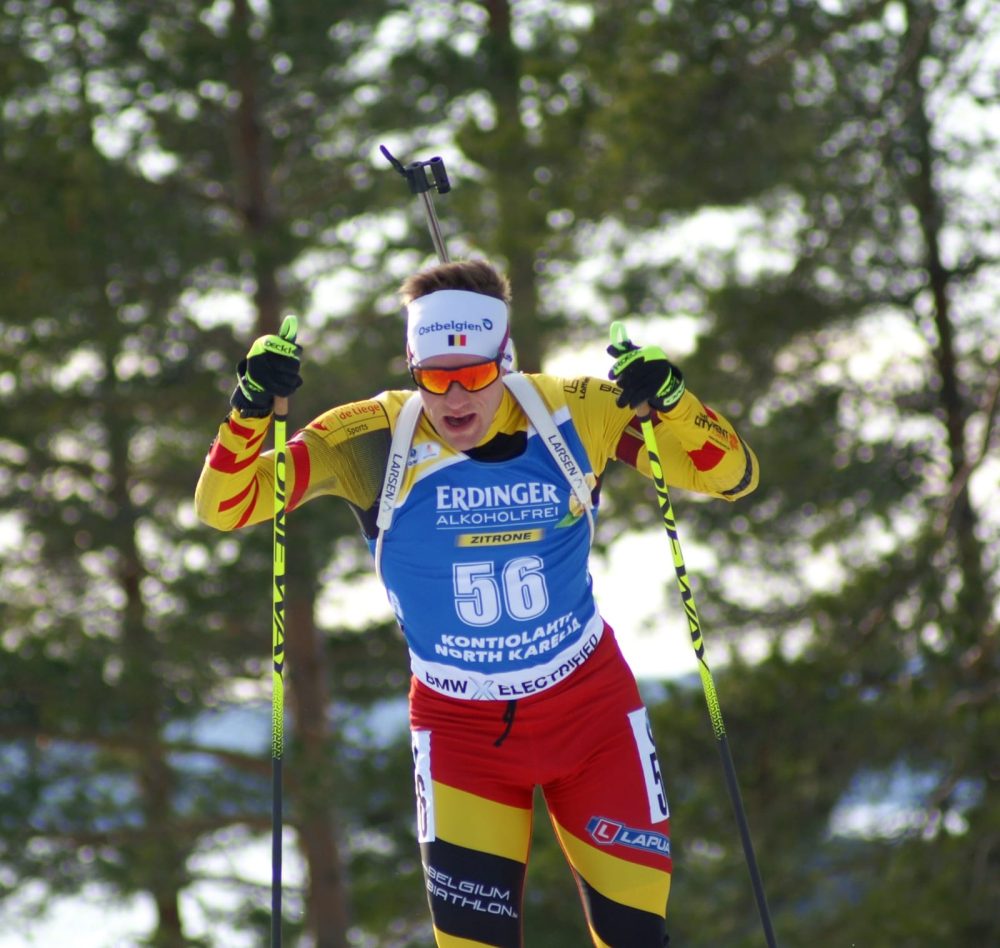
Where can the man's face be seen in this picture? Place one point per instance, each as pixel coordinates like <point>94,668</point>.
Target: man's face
<point>460,417</point>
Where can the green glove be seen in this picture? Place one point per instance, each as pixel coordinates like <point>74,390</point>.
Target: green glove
<point>271,368</point>
<point>644,374</point>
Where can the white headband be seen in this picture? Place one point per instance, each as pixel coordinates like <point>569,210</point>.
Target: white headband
<point>456,321</point>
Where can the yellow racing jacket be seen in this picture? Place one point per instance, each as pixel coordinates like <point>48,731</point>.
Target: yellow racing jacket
<point>343,452</point>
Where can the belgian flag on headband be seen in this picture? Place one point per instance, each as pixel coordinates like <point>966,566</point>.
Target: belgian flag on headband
<point>460,339</point>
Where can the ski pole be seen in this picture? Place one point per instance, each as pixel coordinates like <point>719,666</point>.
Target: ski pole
<point>619,336</point>
<point>289,329</point>
<point>424,177</point>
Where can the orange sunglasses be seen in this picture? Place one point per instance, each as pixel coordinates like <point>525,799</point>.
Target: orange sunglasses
<point>472,378</point>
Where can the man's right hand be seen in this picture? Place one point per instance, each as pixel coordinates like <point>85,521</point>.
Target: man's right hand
<point>271,368</point>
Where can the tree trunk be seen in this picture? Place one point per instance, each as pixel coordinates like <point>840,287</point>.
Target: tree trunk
<point>971,615</point>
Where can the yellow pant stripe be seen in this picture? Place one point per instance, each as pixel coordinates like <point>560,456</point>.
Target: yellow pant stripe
<point>617,879</point>
<point>597,941</point>
<point>467,820</point>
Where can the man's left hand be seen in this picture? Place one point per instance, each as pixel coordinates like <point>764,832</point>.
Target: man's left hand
<point>645,375</point>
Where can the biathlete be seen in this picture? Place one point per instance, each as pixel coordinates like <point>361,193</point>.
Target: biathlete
<point>477,494</point>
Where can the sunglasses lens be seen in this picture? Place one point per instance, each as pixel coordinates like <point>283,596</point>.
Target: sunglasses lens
<point>471,377</point>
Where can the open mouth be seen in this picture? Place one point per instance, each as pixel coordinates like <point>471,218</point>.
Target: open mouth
<point>458,421</point>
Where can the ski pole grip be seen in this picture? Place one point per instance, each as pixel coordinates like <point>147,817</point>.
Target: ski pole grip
<point>619,334</point>
<point>619,337</point>
<point>289,330</point>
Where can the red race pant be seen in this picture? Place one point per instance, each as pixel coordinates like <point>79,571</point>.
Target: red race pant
<point>586,742</point>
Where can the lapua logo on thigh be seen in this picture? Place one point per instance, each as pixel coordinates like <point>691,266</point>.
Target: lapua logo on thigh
<point>612,833</point>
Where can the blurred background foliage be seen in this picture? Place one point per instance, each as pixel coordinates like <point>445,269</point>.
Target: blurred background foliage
<point>797,199</point>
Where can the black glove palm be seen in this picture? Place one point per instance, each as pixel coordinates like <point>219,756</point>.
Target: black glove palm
<point>271,368</point>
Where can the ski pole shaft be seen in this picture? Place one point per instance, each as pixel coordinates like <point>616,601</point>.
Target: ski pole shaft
<point>707,681</point>
<point>619,336</point>
<point>278,663</point>
<point>288,331</point>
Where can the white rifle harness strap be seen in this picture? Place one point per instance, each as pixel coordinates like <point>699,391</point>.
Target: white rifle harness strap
<point>541,420</point>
